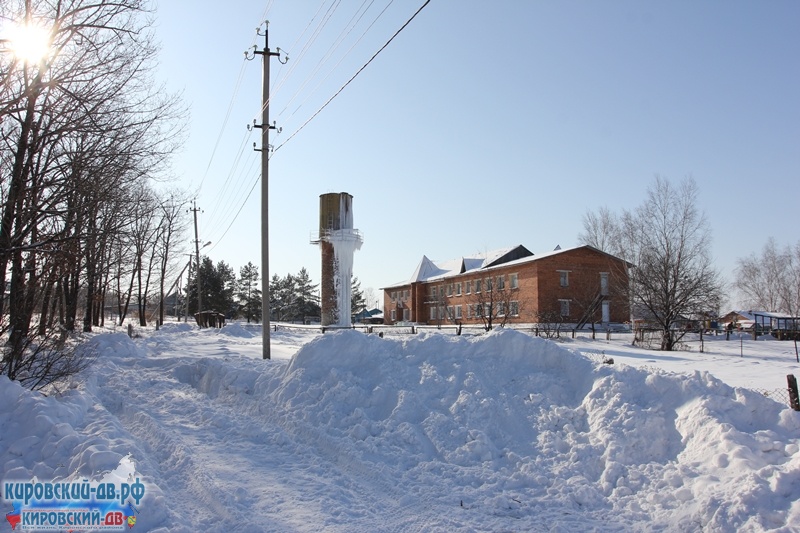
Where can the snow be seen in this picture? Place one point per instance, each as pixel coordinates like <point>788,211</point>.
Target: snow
<point>345,243</point>
<point>349,431</point>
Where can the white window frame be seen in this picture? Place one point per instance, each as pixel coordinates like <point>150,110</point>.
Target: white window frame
<point>501,308</point>
<point>478,286</point>
<point>604,283</point>
<point>563,279</point>
<point>432,314</point>
<point>394,315</point>
<point>469,287</point>
<point>458,312</point>
<point>489,284</point>
<point>458,289</point>
<point>564,303</point>
<point>513,308</point>
<point>500,282</point>
<point>406,314</point>
<point>513,281</point>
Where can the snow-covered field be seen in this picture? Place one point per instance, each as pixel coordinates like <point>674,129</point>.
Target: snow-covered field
<point>354,433</point>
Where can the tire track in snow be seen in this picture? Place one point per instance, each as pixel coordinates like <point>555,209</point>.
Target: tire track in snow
<point>230,469</point>
<point>384,505</point>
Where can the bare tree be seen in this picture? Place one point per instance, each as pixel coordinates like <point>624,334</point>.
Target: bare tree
<point>494,300</point>
<point>172,225</point>
<point>601,230</point>
<point>668,241</point>
<point>84,123</point>
<point>771,281</point>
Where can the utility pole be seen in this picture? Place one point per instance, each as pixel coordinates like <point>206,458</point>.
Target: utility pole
<point>194,210</point>
<point>265,151</point>
<point>188,280</point>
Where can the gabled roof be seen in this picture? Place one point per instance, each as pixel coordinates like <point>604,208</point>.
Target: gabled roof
<point>751,315</point>
<point>428,270</point>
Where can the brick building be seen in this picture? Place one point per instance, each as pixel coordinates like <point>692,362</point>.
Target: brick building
<point>574,286</point>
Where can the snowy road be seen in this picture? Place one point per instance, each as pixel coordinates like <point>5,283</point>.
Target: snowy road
<point>349,432</point>
<point>230,463</point>
<point>228,467</point>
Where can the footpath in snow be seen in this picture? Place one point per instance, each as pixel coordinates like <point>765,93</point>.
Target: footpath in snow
<point>356,433</point>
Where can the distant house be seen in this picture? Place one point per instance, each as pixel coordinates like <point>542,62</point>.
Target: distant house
<point>576,285</point>
<point>763,321</point>
<point>369,316</point>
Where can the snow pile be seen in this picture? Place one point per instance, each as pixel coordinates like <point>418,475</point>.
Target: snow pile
<point>503,432</point>
<point>70,438</point>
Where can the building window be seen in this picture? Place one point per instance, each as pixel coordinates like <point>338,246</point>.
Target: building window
<point>450,312</point>
<point>433,293</point>
<point>501,283</point>
<point>604,283</point>
<point>513,281</point>
<point>513,308</point>
<point>458,312</point>
<point>479,310</point>
<point>394,295</point>
<point>564,307</point>
<point>405,295</point>
<point>488,284</point>
<point>406,314</point>
<point>477,286</point>
<point>394,315</point>
<point>564,275</point>
<point>433,313</point>
<point>501,309</point>
<point>441,312</point>
<point>469,310</point>
<point>469,287</point>
<point>458,289</point>
<point>450,289</point>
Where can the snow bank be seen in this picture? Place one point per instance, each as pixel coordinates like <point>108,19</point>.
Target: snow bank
<point>499,432</point>
<point>523,415</point>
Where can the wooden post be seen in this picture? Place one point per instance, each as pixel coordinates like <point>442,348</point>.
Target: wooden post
<point>794,401</point>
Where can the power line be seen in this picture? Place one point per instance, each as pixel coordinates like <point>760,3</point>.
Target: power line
<point>354,75</point>
<point>346,31</point>
<point>304,50</point>
<point>237,85</point>
<point>347,53</point>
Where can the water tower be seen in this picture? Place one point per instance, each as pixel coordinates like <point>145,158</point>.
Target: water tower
<point>338,242</point>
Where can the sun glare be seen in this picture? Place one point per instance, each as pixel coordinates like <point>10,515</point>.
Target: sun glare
<point>29,42</point>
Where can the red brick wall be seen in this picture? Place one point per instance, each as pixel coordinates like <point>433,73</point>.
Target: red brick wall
<point>539,289</point>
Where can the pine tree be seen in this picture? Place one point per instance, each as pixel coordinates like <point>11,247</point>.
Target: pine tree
<point>274,297</point>
<point>307,297</point>
<point>289,299</point>
<point>358,303</point>
<point>218,285</point>
<point>248,292</point>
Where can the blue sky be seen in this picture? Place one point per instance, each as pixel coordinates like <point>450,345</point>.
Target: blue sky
<point>486,124</point>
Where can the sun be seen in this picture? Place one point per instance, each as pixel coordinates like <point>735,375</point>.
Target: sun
<point>29,42</point>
